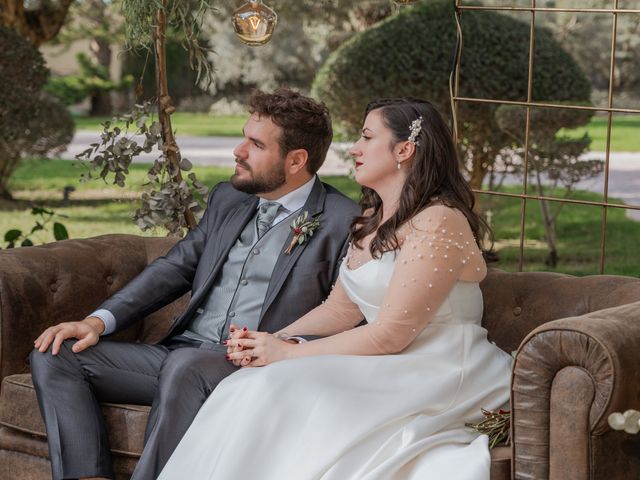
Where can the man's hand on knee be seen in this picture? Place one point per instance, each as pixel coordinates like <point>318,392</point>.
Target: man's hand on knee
<point>87,332</point>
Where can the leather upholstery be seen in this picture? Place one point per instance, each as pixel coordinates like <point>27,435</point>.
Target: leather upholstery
<point>64,281</point>
<point>20,411</point>
<point>590,364</point>
<point>576,362</point>
<point>501,463</point>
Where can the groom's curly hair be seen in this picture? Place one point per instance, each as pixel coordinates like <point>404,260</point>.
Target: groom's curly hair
<point>305,123</point>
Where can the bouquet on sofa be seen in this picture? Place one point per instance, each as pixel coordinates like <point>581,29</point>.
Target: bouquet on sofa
<point>495,424</point>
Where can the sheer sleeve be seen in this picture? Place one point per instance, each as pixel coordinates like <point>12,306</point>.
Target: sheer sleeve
<point>336,314</point>
<point>437,249</point>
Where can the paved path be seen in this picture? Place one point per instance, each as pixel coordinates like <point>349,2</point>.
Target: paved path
<point>200,151</point>
<point>624,179</point>
<point>624,167</point>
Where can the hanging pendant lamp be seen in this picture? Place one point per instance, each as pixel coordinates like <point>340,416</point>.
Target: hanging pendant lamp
<point>254,22</point>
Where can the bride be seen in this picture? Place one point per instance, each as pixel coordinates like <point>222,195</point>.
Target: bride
<point>388,399</point>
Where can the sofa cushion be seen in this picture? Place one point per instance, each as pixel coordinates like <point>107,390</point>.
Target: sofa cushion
<point>501,463</point>
<point>19,410</point>
<point>26,457</point>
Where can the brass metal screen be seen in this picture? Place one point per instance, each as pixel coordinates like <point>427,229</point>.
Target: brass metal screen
<point>532,8</point>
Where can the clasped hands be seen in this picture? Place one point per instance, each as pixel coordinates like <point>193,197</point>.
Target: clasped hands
<point>247,348</point>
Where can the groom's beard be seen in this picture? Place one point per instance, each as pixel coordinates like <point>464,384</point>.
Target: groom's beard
<point>259,183</point>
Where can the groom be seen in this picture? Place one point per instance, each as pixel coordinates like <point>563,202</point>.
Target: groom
<point>236,265</point>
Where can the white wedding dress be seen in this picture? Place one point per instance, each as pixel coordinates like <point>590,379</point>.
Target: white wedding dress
<point>344,417</point>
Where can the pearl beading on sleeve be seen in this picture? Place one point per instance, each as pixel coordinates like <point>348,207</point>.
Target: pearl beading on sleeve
<point>436,247</point>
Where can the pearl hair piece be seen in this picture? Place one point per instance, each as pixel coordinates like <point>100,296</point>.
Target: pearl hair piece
<point>416,127</point>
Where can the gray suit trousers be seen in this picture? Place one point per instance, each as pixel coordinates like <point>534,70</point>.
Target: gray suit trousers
<point>174,381</point>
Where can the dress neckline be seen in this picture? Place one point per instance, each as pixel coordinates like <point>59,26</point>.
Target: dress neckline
<point>359,267</point>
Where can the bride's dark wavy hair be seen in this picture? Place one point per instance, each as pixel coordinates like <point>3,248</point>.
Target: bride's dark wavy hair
<point>434,176</point>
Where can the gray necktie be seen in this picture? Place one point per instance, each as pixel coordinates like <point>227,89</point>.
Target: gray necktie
<point>266,214</point>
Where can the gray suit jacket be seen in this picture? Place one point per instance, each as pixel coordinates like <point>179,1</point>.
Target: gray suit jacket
<point>300,281</point>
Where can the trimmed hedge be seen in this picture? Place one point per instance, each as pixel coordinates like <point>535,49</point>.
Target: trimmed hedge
<point>410,54</point>
<point>31,122</point>
<point>22,69</point>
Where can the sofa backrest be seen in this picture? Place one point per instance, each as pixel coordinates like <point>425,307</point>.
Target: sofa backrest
<point>517,303</point>
<point>64,281</point>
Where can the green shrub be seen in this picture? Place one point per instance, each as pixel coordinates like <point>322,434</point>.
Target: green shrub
<point>410,54</point>
<point>92,80</point>
<point>22,70</point>
<point>31,122</point>
<point>69,89</point>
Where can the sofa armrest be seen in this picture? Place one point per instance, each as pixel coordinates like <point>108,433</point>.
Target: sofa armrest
<point>62,281</point>
<point>568,376</point>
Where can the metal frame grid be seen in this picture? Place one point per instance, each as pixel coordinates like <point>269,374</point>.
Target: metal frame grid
<point>615,11</point>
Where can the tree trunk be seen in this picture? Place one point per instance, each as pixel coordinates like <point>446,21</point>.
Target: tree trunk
<point>101,100</point>
<point>101,104</point>
<point>549,226</point>
<point>8,163</point>
<point>101,49</point>
<point>550,235</point>
<point>479,169</point>
<point>165,108</point>
<point>38,25</point>
<point>5,194</point>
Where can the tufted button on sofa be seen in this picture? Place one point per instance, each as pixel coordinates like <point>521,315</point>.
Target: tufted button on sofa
<point>577,344</point>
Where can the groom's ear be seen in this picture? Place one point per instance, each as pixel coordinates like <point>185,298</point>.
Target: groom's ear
<point>296,161</point>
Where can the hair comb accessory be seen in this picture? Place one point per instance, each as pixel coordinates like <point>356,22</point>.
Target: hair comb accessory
<point>416,128</point>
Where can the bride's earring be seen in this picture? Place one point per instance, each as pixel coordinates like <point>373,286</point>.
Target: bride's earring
<point>399,165</point>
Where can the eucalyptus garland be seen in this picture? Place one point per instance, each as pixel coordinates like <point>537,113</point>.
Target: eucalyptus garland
<point>126,137</point>
<point>171,201</point>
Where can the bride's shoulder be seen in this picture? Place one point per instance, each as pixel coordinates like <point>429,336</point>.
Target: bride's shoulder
<point>434,217</point>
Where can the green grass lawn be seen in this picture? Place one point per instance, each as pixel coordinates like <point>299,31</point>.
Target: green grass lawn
<point>624,134</point>
<point>97,208</point>
<point>196,124</point>
<point>578,230</point>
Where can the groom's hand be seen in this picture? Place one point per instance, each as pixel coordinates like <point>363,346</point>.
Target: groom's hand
<point>87,332</point>
<point>236,333</point>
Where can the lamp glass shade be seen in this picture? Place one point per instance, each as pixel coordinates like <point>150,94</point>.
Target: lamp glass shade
<point>254,23</point>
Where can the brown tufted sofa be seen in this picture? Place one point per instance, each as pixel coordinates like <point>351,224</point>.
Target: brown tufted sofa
<point>577,342</point>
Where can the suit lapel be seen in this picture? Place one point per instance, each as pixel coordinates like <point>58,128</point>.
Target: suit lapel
<point>315,206</point>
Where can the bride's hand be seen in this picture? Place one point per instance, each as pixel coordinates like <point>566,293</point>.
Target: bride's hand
<point>236,333</point>
<point>262,347</point>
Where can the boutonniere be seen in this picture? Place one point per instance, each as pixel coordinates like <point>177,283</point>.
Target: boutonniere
<point>302,228</point>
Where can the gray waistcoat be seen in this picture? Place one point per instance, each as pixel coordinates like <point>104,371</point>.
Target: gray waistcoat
<point>239,290</point>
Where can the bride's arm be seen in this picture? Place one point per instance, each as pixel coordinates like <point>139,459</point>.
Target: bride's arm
<point>437,250</point>
<point>336,314</point>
